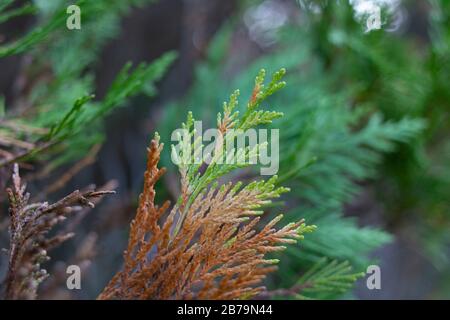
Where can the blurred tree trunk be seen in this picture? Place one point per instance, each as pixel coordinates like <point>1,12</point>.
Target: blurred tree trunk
<point>182,25</point>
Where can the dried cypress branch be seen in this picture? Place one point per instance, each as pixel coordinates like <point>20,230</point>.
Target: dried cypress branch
<point>218,253</point>
<point>210,245</point>
<point>29,243</point>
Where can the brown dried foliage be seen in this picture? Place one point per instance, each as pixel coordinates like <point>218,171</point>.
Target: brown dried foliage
<point>29,240</point>
<point>218,253</point>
